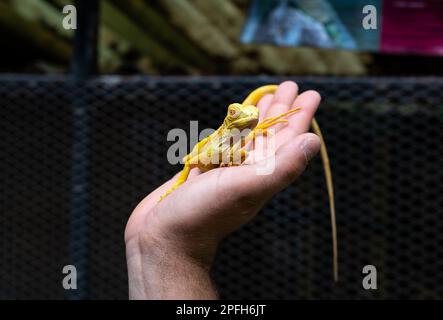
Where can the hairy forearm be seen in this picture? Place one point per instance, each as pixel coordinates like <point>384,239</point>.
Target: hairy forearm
<point>159,271</point>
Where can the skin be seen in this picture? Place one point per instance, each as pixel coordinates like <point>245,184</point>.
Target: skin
<point>170,245</point>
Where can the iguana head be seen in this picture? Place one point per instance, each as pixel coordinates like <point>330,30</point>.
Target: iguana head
<point>241,116</point>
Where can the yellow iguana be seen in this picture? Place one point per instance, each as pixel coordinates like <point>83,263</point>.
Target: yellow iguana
<point>224,147</point>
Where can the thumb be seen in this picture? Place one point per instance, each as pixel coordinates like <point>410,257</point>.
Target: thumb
<point>291,160</point>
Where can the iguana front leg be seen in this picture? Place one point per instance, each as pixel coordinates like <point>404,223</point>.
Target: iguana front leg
<point>262,127</point>
<point>269,122</point>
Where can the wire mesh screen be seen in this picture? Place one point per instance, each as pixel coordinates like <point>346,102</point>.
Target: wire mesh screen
<point>77,157</point>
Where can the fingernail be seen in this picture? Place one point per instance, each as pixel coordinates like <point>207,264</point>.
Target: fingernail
<point>309,147</point>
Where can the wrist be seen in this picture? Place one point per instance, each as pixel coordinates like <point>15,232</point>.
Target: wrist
<point>161,268</point>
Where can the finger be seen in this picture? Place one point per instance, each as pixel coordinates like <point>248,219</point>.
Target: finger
<point>290,161</point>
<point>300,121</point>
<point>308,101</point>
<point>263,105</point>
<point>283,98</point>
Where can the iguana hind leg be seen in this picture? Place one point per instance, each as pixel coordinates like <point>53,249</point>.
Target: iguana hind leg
<point>191,161</point>
<point>182,177</point>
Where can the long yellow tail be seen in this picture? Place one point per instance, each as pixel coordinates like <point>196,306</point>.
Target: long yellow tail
<point>252,99</point>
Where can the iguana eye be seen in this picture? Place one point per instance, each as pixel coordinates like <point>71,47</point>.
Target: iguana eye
<point>233,113</point>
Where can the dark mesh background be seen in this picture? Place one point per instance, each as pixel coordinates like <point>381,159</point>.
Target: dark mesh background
<point>76,159</point>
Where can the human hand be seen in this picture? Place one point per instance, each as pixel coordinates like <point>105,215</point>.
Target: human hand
<point>171,244</point>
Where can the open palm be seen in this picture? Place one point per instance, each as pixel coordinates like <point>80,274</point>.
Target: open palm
<point>212,204</point>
